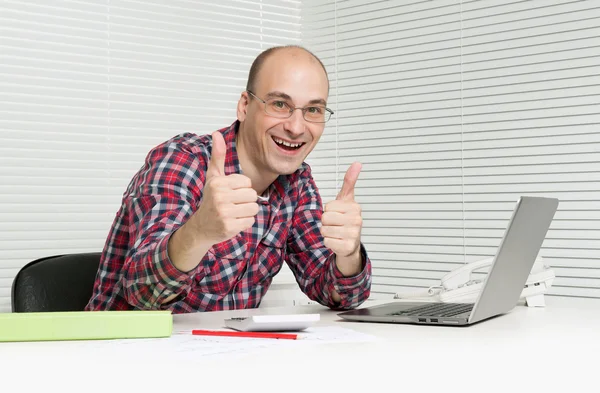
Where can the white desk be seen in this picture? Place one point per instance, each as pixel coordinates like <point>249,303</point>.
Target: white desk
<point>544,349</point>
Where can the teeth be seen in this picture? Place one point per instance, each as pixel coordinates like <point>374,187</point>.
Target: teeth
<point>280,142</point>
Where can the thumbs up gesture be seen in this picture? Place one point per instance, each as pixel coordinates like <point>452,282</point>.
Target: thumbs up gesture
<point>342,224</point>
<point>228,203</point>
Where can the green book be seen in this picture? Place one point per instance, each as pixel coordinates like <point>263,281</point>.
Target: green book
<point>85,325</point>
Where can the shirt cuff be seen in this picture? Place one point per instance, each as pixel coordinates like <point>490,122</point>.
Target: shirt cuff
<point>352,289</point>
<point>170,279</point>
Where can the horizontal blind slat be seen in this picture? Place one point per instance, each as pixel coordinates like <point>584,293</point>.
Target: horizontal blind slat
<point>88,89</point>
<point>445,159</point>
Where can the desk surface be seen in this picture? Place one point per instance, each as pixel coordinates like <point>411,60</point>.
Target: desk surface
<point>553,348</point>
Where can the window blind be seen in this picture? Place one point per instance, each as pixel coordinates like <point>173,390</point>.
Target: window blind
<point>457,108</point>
<point>87,88</point>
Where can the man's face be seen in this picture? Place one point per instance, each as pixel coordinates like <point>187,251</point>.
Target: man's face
<point>289,77</point>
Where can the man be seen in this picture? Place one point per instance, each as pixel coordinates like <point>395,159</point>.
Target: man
<point>208,220</point>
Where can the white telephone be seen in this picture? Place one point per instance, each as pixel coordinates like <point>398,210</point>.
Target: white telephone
<point>459,286</point>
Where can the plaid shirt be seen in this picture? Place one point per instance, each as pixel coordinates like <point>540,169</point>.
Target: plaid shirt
<point>135,270</point>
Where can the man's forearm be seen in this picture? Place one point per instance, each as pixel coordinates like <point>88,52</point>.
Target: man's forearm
<point>185,252</point>
<point>351,265</point>
<point>186,248</point>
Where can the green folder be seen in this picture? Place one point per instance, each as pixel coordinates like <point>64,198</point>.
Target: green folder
<point>85,325</point>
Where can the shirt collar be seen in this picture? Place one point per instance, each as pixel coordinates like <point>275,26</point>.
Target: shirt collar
<point>232,162</point>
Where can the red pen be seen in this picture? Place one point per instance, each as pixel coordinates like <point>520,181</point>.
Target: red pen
<point>222,333</point>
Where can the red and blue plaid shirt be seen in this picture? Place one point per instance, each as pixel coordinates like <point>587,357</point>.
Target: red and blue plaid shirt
<point>135,270</point>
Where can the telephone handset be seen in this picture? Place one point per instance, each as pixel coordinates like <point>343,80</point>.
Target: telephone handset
<point>459,285</point>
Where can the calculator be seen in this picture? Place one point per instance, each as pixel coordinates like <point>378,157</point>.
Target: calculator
<point>273,323</point>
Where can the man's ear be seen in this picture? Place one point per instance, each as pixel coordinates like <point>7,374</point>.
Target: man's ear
<point>242,106</point>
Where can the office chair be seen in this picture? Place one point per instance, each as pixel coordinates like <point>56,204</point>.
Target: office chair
<point>56,283</point>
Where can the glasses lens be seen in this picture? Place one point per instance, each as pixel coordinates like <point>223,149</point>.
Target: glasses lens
<point>281,109</point>
<point>277,108</point>
<point>316,114</point>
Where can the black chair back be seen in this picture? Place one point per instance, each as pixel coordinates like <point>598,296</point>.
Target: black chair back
<point>56,283</point>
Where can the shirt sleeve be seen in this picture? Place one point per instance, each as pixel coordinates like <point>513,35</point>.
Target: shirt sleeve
<point>160,198</point>
<point>313,264</point>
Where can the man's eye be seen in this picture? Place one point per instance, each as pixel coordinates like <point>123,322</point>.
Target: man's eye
<point>315,110</point>
<point>279,104</point>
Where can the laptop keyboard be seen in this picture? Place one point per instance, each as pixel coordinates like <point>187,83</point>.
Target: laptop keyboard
<point>437,310</point>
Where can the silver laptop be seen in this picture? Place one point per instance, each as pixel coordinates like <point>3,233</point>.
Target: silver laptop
<point>503,285</point>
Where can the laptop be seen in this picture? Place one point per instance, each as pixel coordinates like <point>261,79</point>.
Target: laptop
<point>502,287</point>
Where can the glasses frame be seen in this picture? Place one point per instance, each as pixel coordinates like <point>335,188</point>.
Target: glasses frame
<point>292,109</point>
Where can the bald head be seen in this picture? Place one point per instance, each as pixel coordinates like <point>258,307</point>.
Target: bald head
<point>293,51</point>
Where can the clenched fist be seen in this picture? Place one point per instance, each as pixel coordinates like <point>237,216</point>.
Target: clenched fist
<point>342,225</point>
<point>229,202</point>
<point>228,207</point>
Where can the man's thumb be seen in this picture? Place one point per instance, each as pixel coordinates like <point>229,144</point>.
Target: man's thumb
<point>216,165</point>
<point>347,191</point>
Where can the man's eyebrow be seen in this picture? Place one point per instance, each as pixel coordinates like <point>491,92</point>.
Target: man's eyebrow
<point>279,94</point>
<point>318,101</point>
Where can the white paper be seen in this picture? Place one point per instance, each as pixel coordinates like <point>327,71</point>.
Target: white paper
<point>185,346</point>
<point>315,334</point>
<point>333,335</point>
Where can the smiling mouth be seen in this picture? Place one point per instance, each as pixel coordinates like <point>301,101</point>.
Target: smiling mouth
<point>287,145</point>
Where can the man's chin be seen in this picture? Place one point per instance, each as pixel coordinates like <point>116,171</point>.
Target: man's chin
<point>287,169</point>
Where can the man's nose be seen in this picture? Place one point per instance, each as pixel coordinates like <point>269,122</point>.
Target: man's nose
<point>295,124</point>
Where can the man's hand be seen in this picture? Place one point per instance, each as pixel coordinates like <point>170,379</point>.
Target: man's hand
<point>228,207</point>
<point>342,225</point>
<point>229,202</point>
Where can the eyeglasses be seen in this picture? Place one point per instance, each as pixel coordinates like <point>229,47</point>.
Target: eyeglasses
<point>281,109</point>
